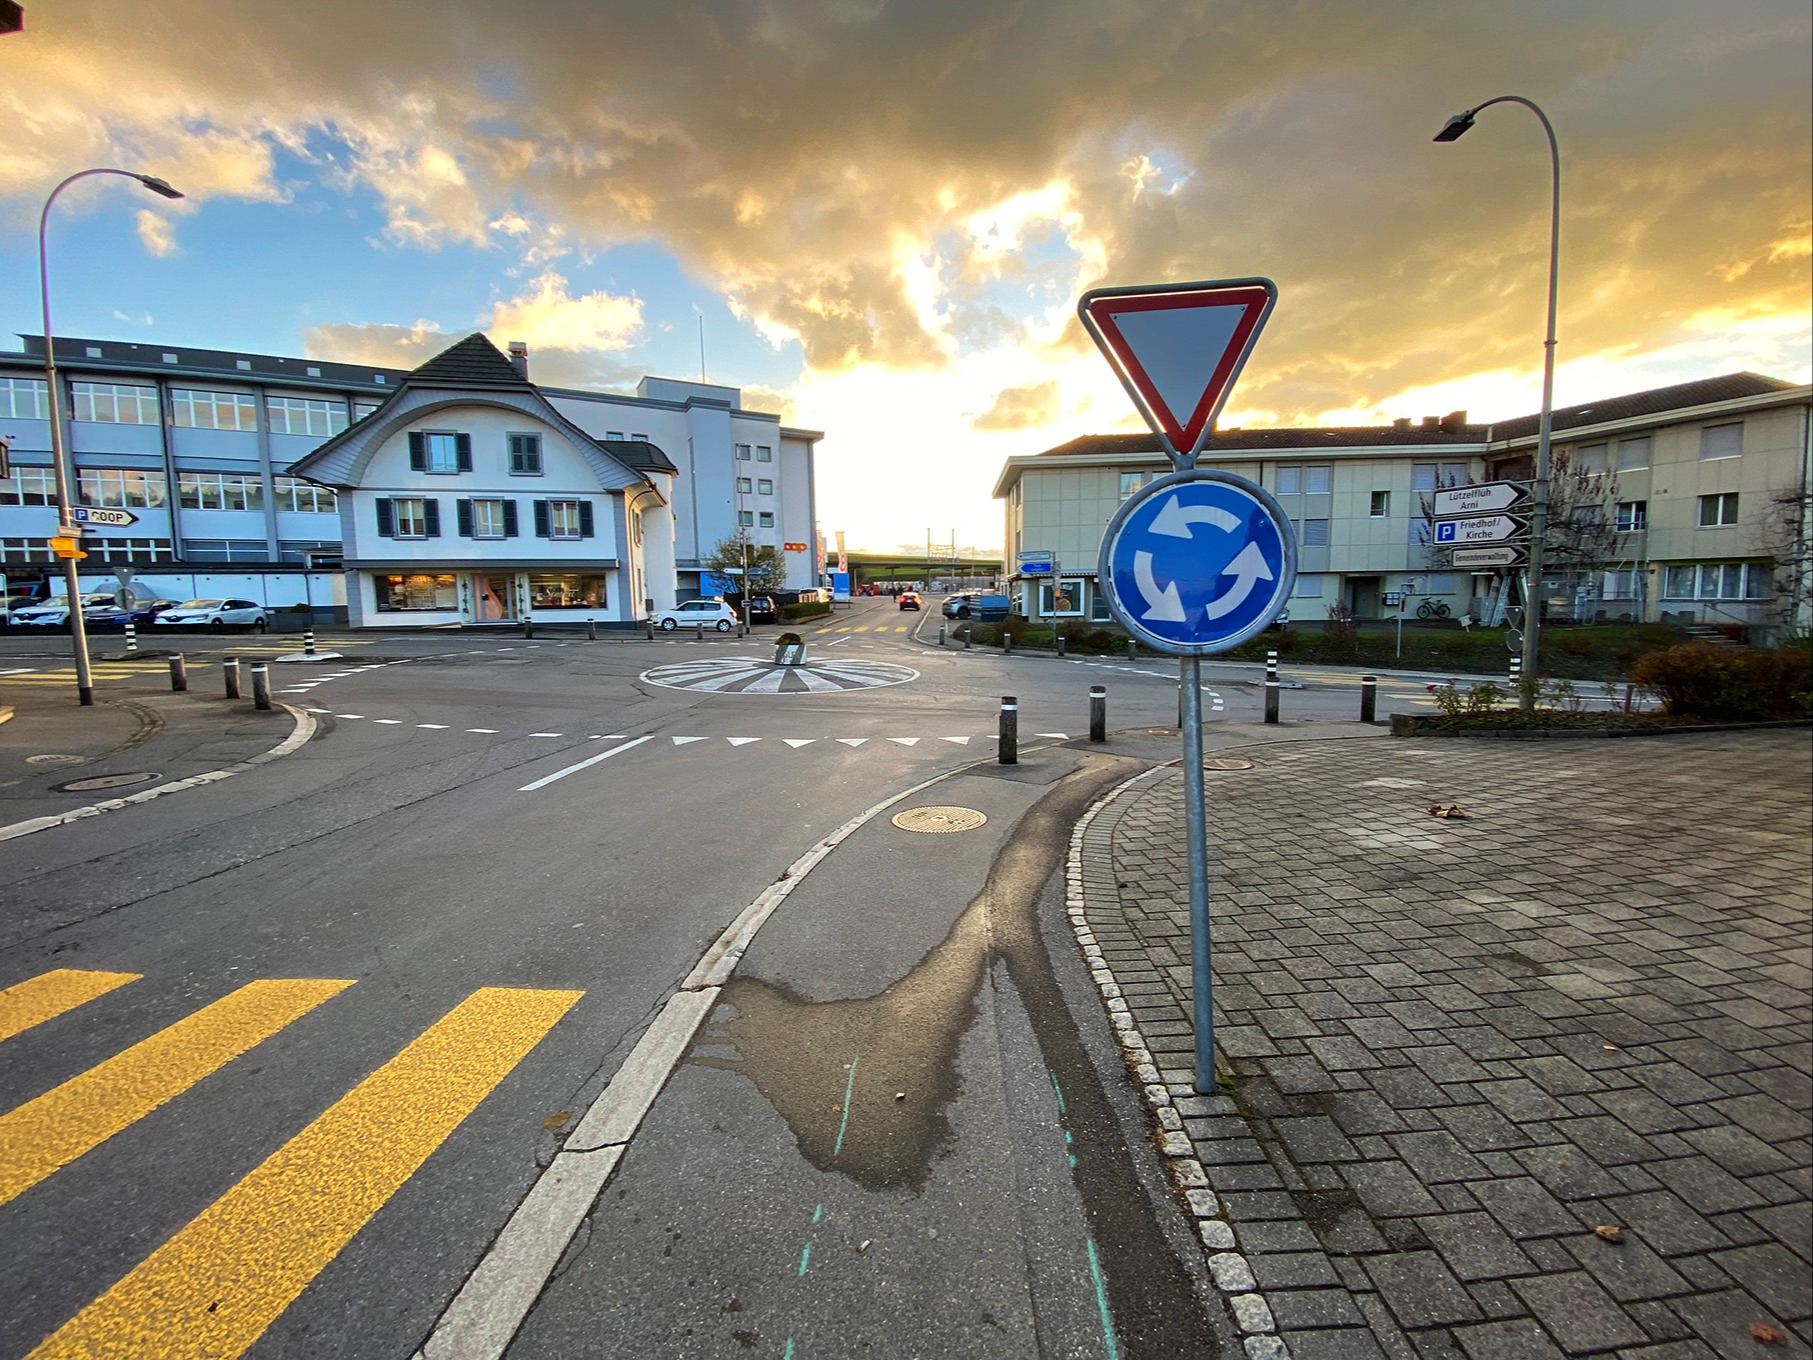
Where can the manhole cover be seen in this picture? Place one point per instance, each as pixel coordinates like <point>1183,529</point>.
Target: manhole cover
<point>1227,763</point>
<point>936,819</point>
<point>53,760</point>
<point>106,781</point>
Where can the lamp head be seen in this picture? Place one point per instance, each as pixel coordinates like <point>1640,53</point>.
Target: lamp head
<point>158,186</point>
<point>1455,127</point>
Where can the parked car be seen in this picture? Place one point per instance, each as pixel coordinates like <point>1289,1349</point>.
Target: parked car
<point>711,613</point>
<point>215,614</point>
<point>55,613</point>
<point>909,599</point>
<point>959,606</point>
<point>762,609</point>
<point>110,615</point>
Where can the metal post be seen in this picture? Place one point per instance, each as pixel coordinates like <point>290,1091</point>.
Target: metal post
<point>261,685</point>
<point>1098,713</point>
<point>1181,682</point>
<point>528,626</point>
<point>1369,697</point>
<point>1060,638</point>
<point>1132,650</point>
<point>308,642</point>
<point>179,674</point>
<point>131,636</point>
<point>1271,687</point>
<point>591,630</point>
<point>698,632</point>
<point>1009,751</point>
<point>650,623</point>
<point>1196,824</point>
<point>967,643</point>
<point>1007,644</point>
<point>229,670</point>
<point>941,635</point>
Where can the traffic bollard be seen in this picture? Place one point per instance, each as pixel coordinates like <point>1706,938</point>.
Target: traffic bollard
<point>1009,752</point>
<point>229,671</point>
<point>591,630</point>
<point>1007,644</point>
<point>698,632</point>
<point>1098,713</point>
<point>650,623</point>
<point>1516,677</point>
<point>261,685</point>
<point>1132,650</point>
<point>941,635</point>
<point>1060,644</point>
<point>528,626</point>
<point>967,644</point>
<point>308,642</point>
<point>1369,697</point>
<point>1271,687</point>
<point>179,674</point>
<point>131,636</point>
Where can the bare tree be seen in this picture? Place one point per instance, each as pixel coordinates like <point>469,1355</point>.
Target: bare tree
<point>767,568</point>
<point>1787,536</point>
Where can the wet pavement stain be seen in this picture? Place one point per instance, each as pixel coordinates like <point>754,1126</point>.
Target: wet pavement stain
<point>799,1052</point>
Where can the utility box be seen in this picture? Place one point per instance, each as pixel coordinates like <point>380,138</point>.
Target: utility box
<point>789,650</point>
<point>993,608</point>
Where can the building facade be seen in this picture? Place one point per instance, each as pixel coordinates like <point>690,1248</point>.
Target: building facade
<point>1700,489</point>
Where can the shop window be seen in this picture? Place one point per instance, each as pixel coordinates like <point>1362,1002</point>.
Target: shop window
<point>399,594</point>
<point>566,591</point>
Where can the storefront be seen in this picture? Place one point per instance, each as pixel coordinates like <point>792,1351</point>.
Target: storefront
<point>489,596</point>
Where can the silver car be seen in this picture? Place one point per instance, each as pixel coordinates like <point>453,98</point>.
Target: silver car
<point>710,613</point>
<point>54,613</point>
<point>217,614</point>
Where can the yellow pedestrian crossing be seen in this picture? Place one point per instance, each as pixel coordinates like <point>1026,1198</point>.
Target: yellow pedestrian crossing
<point>220,1281</point>
<point>862,628</point>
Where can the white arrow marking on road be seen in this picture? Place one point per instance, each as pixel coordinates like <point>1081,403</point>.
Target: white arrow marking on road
<point>741,741</point>
<point>1059,735</point>
<point>681,741</point>
<point>1162,606</point>
<point>797,742</point>
<point>1174,519</point>
<point>852,741</point>
<point>961,741</point>
<point>905,741</point>
<point>1249,567</point>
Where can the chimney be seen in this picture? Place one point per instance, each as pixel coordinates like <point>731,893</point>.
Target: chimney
<point>1401,423</point>
<point>1454,422</point>
<point>1432,422</point>
<point>519,357</point>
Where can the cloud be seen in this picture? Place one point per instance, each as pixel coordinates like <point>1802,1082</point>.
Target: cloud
<point>547,316</point>
<point>156,233</point>
<point>1019,408</point>
<point>380,344</point>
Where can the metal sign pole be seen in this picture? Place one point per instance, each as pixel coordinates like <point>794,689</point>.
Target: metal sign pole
<point>1196,823</point>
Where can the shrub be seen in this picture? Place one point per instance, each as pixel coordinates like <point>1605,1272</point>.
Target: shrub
<point>809,609</point>
<point>1699,680</point>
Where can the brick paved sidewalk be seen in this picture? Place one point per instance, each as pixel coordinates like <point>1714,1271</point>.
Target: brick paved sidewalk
<point>1457,1047</point>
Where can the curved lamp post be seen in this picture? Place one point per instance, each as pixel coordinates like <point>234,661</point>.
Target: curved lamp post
<point>1451,131</point>
<point>58,453</point>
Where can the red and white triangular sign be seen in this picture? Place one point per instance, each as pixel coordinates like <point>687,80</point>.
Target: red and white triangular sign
<point>1178,348</point>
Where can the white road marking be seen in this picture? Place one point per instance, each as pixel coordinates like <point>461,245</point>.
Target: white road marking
<point>349,715</point>
<point>389,722</point>
<point>905,741</point>
<point>852,741</point>
<point>961,741</point>
<point>797,742</point>
<point>682,741</point>
<point>741,741</point>
<point>432,726</point>
<point>546,780</point>
<point>1059,735</point>
<point>547,734</point>
<point>487,731</point>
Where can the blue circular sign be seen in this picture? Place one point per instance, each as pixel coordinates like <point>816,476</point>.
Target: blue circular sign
<point>1198,562</point>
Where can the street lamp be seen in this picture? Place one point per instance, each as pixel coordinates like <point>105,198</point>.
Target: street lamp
<point>1451,131</point>
<point>59,456</point>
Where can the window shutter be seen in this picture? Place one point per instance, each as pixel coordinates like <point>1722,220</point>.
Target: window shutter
<point>541,519</point>
<point>509,519</point>
<point>462,449</point>
<point>516,456</point>
<point>585,519</point>
<point>387,527</point>
<point>462,510</point>
<point>431,517</point>
<point>418,451</point>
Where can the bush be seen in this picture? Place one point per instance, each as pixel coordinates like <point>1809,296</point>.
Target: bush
<point>1700,680</point>
<point>809,609</point>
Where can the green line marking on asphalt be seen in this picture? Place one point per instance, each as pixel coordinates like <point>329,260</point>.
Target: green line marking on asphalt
<point>818,1213</point>
<point>805,1256</point>
<point>1059,1090</point>
<point>1101,1299</point>
<point>844,1123</point>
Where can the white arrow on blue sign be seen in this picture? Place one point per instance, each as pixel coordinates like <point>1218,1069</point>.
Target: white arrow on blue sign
<point>1198,562</point>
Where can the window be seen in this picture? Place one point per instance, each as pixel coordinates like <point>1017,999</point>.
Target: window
<point>639,435</point>
<point>1722,441</point>
<point>1633,453</point>
<point>1308,588</point>
<point>765,520</point>
<point>1319,480</point>
<point>409,517</point>
<point>220,491</point>
<point>24,399</point>
<point>305,415</point>
<point>120,487</point>
<point>744,486</point>
<point>1592,459</point>
<point>1717,581</point>
<point>1061,598</point>
<point>563,519</point>
<point>764,487</point>
<point>746,518</point>
<point>1290,482</point>
<point>361,409</point>
<point>1422,476</point>
<point>297,495</point>
<point>764,454</point>
<point>197,410</point>
<point>613,434</point>
<point>1632,515</point>
<point>99,550</point>
<point>439,451</point>
<point>114,403</point>
<point>1454,474</point>
<point>225,550</point>
<point>1717,510</point>
<point>301,550</point>
<point>1131,482</point>
<point>1312,533</point>
<point>487,518</point>
<point>525,455</point>
<point>29,486</point>
<point>566,592</point>
<point>1381,504</point>
<point>396,594</point>
<point>1422,531</point>
<point>1621,584</point>
<point>743,453</point>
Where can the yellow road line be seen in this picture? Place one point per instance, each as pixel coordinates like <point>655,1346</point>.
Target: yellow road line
<point>85,1111</point>
<point>212,1289</point>
<point>48,995</point>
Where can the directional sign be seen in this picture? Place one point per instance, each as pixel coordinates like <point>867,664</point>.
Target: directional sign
<point>117,519</point>
<point>1198,562</point>
<point>1485,499</point>
<point>1178,348</point>
<point>1482,529</point>
<point>1489,557</point>
<point>1038,564</point>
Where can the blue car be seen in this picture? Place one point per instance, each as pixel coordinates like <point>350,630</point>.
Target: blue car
<point>112,616</point>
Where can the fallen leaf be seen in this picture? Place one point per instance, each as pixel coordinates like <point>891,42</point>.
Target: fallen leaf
<point>1762,1332</point>
<point>1610,1048</point>
<point>864,1244</point>
<point>556,1119</point>
<point>1609,1233</point>
<point>900,1095</point>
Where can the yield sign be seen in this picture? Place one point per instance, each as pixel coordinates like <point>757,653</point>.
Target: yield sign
<point>1178,348</point>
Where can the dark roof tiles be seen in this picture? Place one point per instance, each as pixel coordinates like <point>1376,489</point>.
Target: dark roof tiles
<point>472,362</point>
<point>639,454</point>
<point>1656,401</point>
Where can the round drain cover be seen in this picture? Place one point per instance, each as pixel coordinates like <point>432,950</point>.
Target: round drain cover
<point>54,760</point>
<point>106,781</point>
<point>1227,763</point>
<point>936,819</point>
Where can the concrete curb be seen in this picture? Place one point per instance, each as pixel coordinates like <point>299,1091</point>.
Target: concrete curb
<point>298,737</point>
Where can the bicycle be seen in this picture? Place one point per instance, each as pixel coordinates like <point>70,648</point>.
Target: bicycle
<point>1432,609</point>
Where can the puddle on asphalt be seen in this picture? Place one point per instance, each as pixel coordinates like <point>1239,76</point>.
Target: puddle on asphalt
<point>798,1052</point>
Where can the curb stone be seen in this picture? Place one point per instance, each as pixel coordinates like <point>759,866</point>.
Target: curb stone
<point>1233,1276</point>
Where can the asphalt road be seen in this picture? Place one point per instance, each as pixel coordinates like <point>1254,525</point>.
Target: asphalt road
<point>282,1055</point>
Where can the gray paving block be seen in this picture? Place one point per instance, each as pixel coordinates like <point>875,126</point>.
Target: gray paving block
<point>1775,1276</point>
<point>1475,1247</point>
<point>1520,1339</point>
<point>1627,1270</point>
<point>1577,1312</point>
<point>1523,1208</point>
<point>1389,1189</point>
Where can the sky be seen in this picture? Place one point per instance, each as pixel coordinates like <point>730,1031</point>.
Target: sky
<point>878,215</point>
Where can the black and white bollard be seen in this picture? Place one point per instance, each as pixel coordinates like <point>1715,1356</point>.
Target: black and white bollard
<point>650,624</point>
<point>1516,677</point>
<point>591,630</point>
<point>1369,697</point>
<point>179,674</point>
<point>1132,650</point>
<point>941,635</point>
<point>1009,752</point>
<point>1098,713</point>
<point>967,643</point>
<point>1007,644</point>
<point>261,685</point>
<point>698,632</point>
<point>1271,687</point>
<point>528,626</point>
<point>308,642</point>
<point>229,672</point>
<point>131,637</point>
<point>1060,641</point>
